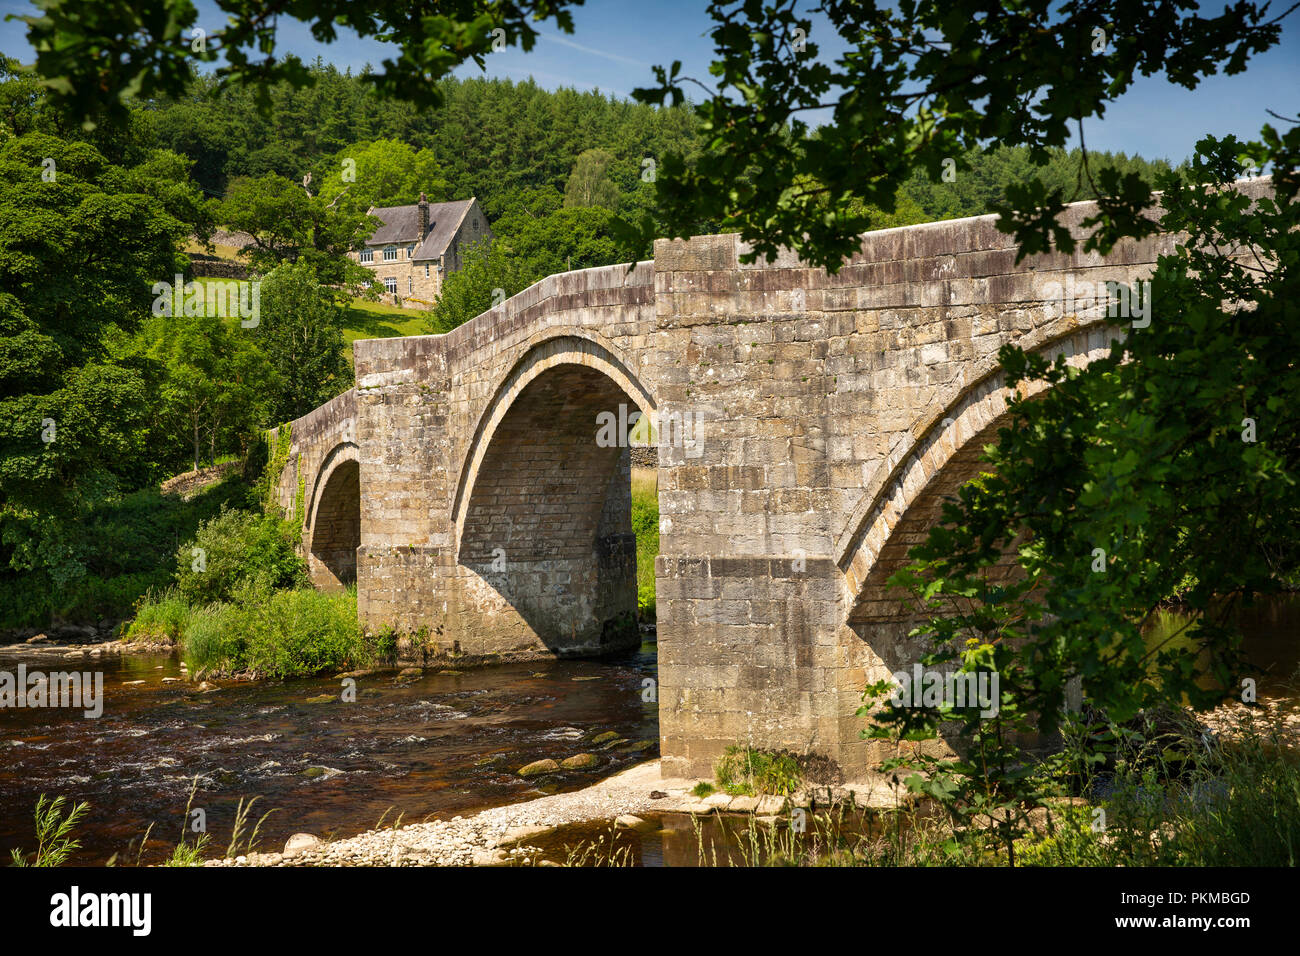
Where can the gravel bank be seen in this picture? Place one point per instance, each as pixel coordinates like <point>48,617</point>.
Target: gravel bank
<point>500,835</point>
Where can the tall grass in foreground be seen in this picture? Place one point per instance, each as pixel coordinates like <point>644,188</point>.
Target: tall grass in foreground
<point>1235,804</point>
<point>645,524</point>
<point>54,839</point>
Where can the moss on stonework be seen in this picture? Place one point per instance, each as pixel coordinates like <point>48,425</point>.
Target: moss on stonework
<point>277,457</point>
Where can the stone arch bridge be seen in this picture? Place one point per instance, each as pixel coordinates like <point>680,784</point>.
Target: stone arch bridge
<point>817,423</point>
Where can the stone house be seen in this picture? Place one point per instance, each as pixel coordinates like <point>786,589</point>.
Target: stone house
<point>417,246</point>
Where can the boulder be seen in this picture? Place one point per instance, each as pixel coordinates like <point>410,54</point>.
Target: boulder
<point>630,821</point>
<point>299,842</point>
<point>538,767</point>
<point>579,761</point>
<point>770,805</point>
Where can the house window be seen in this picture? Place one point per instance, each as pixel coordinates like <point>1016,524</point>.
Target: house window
<point>476,225</point>
<point>367,255</point>
<point>426,270</point>
<point>390,253</point>
<point>410,251</point>
<point>410,285</point>
<point>390,284</point>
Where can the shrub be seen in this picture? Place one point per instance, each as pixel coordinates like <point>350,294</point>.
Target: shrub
<point>302,632</point>
<point>161,617</point>
<point>289,633</point>
<point>238,548</point>
<point>743,771</point>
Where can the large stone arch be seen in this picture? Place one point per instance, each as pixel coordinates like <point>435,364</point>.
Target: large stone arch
<point>545,351</point>
<point>905,498</point>
<point>542,518</point>
<point>332,519</point>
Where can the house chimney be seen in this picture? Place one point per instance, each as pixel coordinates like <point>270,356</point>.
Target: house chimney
<point>424,217</point>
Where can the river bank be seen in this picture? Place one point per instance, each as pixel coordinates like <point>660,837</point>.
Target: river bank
<point>502,835</point>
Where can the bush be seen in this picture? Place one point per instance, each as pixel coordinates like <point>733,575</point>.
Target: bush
<point>743,771</point>
<point>164,617</point>
<point>238,548</point>
<point>303,632</point>
<point>292,633</point>
<point>126,547</point>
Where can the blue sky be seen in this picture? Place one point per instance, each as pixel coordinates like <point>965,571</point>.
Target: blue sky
<point>615,43</point>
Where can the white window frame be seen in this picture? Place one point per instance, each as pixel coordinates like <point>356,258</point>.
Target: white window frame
<point>368,256</point>
<point>390,253</point>
<point>390,284</point>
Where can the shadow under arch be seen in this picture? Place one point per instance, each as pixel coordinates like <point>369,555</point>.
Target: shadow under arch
<point>332,519</point>
<point>543,509</point>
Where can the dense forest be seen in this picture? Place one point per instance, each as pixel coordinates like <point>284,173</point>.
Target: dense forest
<point>92,222</point>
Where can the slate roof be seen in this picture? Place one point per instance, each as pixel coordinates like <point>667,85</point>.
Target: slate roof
<point>400,225</point>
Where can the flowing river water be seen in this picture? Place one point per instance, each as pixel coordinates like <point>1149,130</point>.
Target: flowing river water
<point>432,747</point>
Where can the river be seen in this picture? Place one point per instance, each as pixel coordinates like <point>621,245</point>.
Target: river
<point>436,746</point>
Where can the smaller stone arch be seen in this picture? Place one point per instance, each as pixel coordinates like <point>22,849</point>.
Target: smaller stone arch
<point>332,520</point>
<point>928,467</point>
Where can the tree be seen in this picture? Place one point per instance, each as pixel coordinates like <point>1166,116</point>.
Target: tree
<point>487,277</point>
<point>96,55</point>
<point>920,85</point>
<point>589,183</point>
<point>301,332</point>
<point>216,381</point>
<point>381,173</point>
<point>77,261</point>
<point>1165,471</point>
<point>289,223</point>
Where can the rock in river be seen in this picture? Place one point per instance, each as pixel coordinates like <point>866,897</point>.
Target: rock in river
<point>539,767</point>
<point>299,842</point>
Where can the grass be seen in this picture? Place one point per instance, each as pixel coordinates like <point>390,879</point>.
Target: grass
<point>54,839</point>
<point>744,771</point>
<point>378,320</point>
<point>645,523</point>
<point>220,250</point>
<point>281,634</point>
<point>161,618</point>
